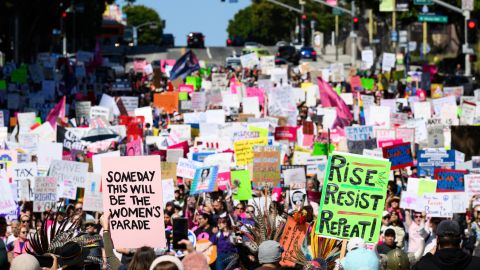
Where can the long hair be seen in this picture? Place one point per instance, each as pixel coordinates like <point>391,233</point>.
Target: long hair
<point>142,259</point>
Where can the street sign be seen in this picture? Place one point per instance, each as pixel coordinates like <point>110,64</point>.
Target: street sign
<point>423,2</point>
<point>337,12</point>
<point>394,36</point>
<point>432,18</point>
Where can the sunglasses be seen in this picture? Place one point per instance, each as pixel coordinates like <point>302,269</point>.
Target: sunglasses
<point>25,221</point>
<point>249,212</point>
<point>418,216</point>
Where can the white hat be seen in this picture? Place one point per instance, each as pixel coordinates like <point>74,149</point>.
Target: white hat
<point>355,243</point>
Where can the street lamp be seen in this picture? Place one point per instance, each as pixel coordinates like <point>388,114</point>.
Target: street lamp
<point>152,25</point>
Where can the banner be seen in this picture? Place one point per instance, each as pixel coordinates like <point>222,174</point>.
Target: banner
<point>400,155</point>
<point>450,180</point>
<point>353,197</point>
<point>266,165</point>
<point>132,193</point>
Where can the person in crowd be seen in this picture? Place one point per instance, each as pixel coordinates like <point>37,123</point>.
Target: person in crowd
<point>430,234</point>
<point>20,245</point>
<point>415,226</point>
<point>448,254</point>
<point>269,255</point>
<point>3,244</point>
<point>14,231</point>
<point>96,248</point>
<point>388,242</point>
<point>224,240</point>
<point>205,228</point>
<point>359,257</point>
<point>398,227</point>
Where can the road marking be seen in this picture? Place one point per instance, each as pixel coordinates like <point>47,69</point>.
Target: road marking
<point>208,53</point>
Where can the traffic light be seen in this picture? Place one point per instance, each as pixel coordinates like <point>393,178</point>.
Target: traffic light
<point>356,23</point>
<point>472,27</point>
<point>304,17</point>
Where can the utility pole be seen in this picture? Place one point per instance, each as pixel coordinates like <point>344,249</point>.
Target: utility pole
<point>302,22</point>
<point>353,35</point>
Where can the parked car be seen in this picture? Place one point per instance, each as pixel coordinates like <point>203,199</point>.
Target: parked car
<point>308,53</point>
<point>195,40</point>
<point>282,43</point>
<point>168,40</point>
<point>289,53</point>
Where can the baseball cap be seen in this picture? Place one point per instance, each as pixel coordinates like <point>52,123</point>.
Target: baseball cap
<point>448,227</point>
<point>269,252</point>
<point>355,243</point>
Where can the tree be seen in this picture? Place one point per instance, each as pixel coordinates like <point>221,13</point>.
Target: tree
<point>139,14</point>
<point>268,23</point>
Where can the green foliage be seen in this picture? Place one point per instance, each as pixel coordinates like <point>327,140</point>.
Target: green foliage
<point>139,14</point>
<point>268,23</point>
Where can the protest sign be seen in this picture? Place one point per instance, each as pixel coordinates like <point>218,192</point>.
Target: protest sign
<point>292,238</point>
<point>168,101</point>
<point>204,180</point>
<point>295,178</point>
<point>468,113</point>
<point>92,198</point>
<point>322,149</point>
<point>47,152</point>
<point>244,150</point>
<point>429,159</point>
<point>45,193</point>
<point>354,215</point>
<point>359,133</point>
<point>241,185</point>
<point>472,184</point>
<point>438,205</point>
<point>168,187</point>
<point>132,194</point>
<point>23,175</point>
<point>199,101</point>
<point>410,200</point>
<point>186,168</point>
<point>388,61</point>
<point>249,60</point>
<point>383,134</point>
<point>400,155</point>
<point>7,159</point>
<point>450,180</point>
<point>7,202</point>
<point>286,133</point>
<point>134,148</point>
<point>357,147</point>
<point>70,175</point>
<point>266,165</point>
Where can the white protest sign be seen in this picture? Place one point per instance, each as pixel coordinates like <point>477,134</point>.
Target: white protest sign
<point>7,202</point>
<point>388,61</point>
<point>472,184</point>
<point>438,205</point>
<point>47,152</point>
<point>367,59</point>
<point>186,168</point>
<point>92,198</point>
<point>249,60</point>
<point>23,174</point>
<point>70,175</point>
<point>45,193</point>
<point>168,187</point>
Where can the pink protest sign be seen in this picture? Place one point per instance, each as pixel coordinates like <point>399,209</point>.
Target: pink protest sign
<point>256,92</point>
<point>186,88</point>
<point>132,194</point>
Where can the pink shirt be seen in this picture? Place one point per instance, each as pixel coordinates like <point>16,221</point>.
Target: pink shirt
<point>414,240</point>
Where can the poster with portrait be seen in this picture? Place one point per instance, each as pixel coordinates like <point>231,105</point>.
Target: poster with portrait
<point>298,198</point>
<point>204,180</point>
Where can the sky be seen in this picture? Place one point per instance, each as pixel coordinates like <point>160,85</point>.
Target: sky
<point>207,16</point>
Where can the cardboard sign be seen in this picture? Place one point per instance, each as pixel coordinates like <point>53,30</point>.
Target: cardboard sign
<point>45,191</point>
<point>353,174</point>
<point>266,165</point>
<point>132,193</point>
<point>168,101</point>
<point>450,180</point>
<point>292,238</point>
<point>204,180</point>
<point>70,175</point>
<point>400,155</point>
<point>92,198</point>
<point>244,150</point>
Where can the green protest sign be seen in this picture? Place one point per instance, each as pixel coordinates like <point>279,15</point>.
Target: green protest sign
<point>205,71</point>
<point>195,81</point>
<point>367,83</point>
<point>353,197</point>
<point>3,85</point>
<point>321,149</point>
<point>241,185</point>
<point>182,96</point>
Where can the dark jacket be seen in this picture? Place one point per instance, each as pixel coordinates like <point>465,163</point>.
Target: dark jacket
<point>448,259</point>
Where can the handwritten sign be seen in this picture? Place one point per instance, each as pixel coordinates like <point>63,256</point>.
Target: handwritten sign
<point>45,193</point>
<point>244,150</point>
<point>292,237</point>
<point>69,175</point>
<point>359,133</point>
<point>132,193</point>
<point>266,165</point>
<point>23,175</point>
<point>472,184</point>
<point>358,214</point>
<point>438,205</point>
<point>92,198</point>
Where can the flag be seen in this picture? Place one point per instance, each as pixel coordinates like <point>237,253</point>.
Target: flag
<point>185,65</point>
<point>57,112</point>
<point>330,98</point>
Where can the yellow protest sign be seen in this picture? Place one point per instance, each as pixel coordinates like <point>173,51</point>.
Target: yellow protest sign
<point>244,150</point>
